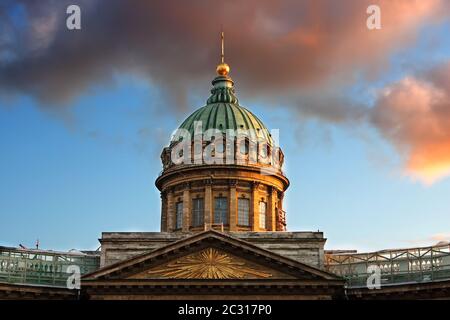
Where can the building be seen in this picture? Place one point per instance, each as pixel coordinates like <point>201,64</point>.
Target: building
<point>222,219</point>
<point>223,232</point>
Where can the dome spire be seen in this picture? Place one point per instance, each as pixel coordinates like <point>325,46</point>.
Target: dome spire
<point>222,55</point>
<point>222,69</point>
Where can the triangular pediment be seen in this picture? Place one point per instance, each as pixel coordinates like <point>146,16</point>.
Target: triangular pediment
<point>210,263</point>
<point>210,255</point>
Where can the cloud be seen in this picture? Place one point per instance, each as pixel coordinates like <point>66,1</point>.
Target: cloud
<point>444,237</point>
<point>273,47</point>
<point>434,239</point>
<point>414,115</point>
<point>303,52</point>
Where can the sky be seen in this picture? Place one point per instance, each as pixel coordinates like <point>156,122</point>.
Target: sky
<point>364,115</point>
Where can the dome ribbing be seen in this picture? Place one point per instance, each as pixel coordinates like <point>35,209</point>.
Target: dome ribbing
<point>223,112</point>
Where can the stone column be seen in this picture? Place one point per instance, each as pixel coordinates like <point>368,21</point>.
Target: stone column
<point>186,208</point>
<point>170,211</point>
<point>208,219</point>
<point>163,212</point>
<point>255,207</point>
<point>281,216</point>
<point>272,214</point>
<point>233,206</point>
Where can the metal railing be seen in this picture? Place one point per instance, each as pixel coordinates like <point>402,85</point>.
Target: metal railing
<point>43,267</point>
<point>412,265</point>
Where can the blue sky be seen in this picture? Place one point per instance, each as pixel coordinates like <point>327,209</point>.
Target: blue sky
<point>67,174</point>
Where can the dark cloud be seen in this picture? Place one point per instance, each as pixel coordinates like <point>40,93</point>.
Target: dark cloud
<point>272,47</point>
<point>303,52</point>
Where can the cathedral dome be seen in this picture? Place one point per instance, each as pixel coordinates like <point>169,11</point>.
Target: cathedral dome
<point>222,169</point>
<point>223,112</point>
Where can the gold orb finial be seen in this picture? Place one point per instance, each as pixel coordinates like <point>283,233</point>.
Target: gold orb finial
<point>222,69</point>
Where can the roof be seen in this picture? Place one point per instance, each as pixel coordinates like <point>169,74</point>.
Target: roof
<point>223,112</point>
<point>211,239</point>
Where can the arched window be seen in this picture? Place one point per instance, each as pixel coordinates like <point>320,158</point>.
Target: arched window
<point>179,216</point>
<point>197,212</point>
<point>221,210</point>
<point>262,214</point>
<point>243,212</point>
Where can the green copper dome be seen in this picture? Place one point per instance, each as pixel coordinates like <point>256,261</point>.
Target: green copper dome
<point>223,112</point>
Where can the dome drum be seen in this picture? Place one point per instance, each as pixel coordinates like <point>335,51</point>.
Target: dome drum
<point>226,203</point>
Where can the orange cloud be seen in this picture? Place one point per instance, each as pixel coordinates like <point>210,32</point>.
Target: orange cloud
<point>414,114</point>
<point>272,46</point>
<point>444,237</point>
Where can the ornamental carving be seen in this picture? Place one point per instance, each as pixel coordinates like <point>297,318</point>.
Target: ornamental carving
<point>208,264</point>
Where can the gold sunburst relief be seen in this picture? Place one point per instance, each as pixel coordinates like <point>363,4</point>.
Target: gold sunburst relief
<point>208,264</point>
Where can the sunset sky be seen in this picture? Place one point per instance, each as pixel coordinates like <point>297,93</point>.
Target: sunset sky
<point>364,115</point>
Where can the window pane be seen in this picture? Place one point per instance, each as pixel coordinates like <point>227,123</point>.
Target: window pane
<point>197,212</point>
<point>179,215</point>
<point>220,210</point>
<point>262,214</point>
<point>243,212</point>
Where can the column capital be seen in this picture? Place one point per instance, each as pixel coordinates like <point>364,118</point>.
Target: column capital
<point>167,190</point>
<point>187,185</point>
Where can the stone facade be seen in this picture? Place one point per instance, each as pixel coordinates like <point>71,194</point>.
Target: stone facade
<point>211,265</point>
<point>208,183</point>
<point>304,247</point>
